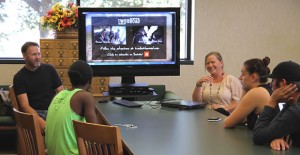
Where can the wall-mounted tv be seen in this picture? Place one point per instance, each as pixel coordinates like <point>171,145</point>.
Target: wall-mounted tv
<point>130,42</point>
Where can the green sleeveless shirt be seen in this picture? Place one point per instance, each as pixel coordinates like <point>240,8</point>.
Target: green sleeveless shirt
<point>60,136</point>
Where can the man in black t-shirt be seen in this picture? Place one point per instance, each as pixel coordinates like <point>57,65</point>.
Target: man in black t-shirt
<point>281,130</point>
<point>35,84</point>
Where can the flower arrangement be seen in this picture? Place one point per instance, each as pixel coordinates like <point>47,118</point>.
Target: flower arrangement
<point>60,17</point>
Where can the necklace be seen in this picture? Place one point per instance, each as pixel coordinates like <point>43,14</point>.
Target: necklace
<point>218,92</point>
<point>217,95</point>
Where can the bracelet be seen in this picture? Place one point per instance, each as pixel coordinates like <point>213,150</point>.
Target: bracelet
<point>198,85</point>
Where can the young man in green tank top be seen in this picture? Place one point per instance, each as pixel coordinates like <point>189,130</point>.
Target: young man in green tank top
<point>70,104</point>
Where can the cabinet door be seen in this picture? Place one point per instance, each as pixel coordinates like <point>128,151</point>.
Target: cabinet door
<point>61,53</point>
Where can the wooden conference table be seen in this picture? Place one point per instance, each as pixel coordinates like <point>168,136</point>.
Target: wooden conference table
<point>168,131</point>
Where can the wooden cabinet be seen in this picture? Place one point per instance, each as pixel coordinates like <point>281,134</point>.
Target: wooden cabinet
<point>61,53</point>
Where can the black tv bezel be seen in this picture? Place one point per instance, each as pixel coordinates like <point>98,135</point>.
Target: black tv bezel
<point>131,70</point>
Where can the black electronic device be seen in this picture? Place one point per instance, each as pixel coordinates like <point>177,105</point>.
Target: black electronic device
<point>183,104</point>
<point>129,42</point>
<point>130,89</point>
<point>127,103</point>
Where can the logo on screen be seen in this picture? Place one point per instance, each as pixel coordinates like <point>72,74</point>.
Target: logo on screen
<point>129,21</point>
<point>146,54</point>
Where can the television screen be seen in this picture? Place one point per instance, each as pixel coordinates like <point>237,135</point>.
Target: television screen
<point>130,42</point>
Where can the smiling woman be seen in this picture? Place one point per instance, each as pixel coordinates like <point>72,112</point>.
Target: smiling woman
<point>24,25</point>
<point>220,90</point>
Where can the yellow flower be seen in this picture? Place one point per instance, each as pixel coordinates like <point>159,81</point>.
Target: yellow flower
<point>73,20</point>
<point>60,17</point>
<point>53,19</point>
<point>68,12</point>
<point>42,20</point>
<point>60,14</point>
<point>74,7</point>
<point>59,27</point>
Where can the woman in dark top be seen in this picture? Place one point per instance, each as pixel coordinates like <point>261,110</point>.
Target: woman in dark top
<point>256,93</point>
<point>252,117</point>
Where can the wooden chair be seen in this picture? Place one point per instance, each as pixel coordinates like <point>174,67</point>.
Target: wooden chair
<point>13,98</point>
<point>29,133</point>
<point>103,121</point>
<point>98,139</point>
<point>14,103</point>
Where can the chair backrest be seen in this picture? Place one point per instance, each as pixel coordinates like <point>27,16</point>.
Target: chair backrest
<point>98,139</point>
<point>29,133</point>
<point>13,98</point>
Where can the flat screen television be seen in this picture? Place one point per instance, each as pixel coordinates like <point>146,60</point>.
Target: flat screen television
<point>129,42</point>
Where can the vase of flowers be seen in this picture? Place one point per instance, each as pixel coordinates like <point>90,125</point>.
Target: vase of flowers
<point>63,20</point>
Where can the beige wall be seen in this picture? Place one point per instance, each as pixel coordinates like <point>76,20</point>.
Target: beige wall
<point>239,29</point>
